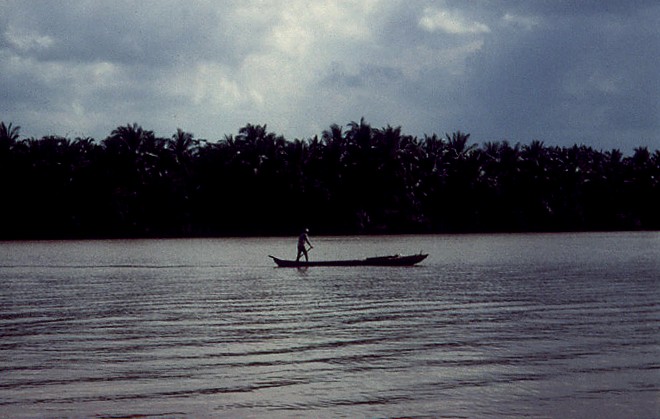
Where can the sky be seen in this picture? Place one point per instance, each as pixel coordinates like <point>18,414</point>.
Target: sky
<point>557,71</point>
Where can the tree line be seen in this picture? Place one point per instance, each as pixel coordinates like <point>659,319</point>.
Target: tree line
<point>349,180</point>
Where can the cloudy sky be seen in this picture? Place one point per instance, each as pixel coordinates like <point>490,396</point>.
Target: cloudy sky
<point>560,71</point>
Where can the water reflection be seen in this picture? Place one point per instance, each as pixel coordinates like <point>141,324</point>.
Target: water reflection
<point>488,326</point>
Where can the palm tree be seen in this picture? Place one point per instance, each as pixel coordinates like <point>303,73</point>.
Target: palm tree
<point>388,140</point>
<point>8,136</point>
<point>131,138</point>
<point>134,167</point>
<point>641,157</point>
<point>333,135</point>
<point>534,151</point>
<point>457,144</point>
<point>614,157</point>
<point>182,146</point>
<point>256,147</point>
<point>359,134</point>
<point>138,145</point>
<point>333,154</point>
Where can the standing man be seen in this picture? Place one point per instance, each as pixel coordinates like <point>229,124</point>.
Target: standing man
<point>303,241</point>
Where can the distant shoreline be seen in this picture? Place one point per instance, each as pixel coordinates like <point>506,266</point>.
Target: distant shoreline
<point>356,180</point>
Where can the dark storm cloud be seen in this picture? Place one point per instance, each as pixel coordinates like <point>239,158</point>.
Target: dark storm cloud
<point>571,78</point>
<point>366,75</point>
<point>559,71</point>
<point>143,32</point>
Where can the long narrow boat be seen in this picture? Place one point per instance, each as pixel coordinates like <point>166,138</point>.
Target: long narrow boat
<point>395,260</point>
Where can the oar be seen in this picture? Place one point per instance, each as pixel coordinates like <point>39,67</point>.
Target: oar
<point>309,248</point>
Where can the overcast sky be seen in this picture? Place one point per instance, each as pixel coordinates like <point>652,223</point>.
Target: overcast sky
<point>559,71</point>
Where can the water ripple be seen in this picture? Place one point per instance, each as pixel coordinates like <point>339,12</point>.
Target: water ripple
<point>212,339</point>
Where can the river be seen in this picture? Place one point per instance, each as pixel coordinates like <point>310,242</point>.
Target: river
<point>498,326</point>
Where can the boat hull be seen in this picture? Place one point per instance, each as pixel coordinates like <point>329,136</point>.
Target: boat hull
<point>375,261</point>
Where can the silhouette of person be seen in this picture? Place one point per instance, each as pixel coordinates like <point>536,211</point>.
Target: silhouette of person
<point>303,241</point>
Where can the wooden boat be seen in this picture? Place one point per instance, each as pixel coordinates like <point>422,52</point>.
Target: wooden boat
<point>395,260</point>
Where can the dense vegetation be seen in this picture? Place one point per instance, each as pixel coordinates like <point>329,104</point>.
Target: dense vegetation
<point>350,180</point>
